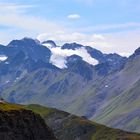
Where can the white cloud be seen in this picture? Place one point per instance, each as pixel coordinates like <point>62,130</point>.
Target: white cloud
<point>16,18</point>
<point>11,15</point>
<point>58,57</point>
<point>21,24</point>
<point>122,3</point>
<point>89,2</point>
<point>28,23</point>
<point>74,16</point>
<point>98,36</point>
<point>109,27</point>
<point>123,43</point>
<point>14,7</point>
<point>62,37</point>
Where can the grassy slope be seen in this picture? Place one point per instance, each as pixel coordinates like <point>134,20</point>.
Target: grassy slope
<point>69,126</point>
<point>126,105</point>
<point>10,107</point>
<point>123,110</point>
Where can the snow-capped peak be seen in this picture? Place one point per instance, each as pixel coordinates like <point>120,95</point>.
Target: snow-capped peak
<point>59,55</point>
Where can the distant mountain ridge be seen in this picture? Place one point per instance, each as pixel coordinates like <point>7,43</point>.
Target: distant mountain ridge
<point>30,75</point>
<point>122,109</point>
<point>29,55</point>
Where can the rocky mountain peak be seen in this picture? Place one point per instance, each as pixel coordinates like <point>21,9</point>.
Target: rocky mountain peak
<point>71,46</point>
<point>137,52</point>
<point>26,42</point>
<point>50,42</point>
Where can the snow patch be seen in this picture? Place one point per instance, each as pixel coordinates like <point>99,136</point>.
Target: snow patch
<point>3,57</point>
<point>48,45</point>
<point>7,63</point>
<point>8,81</point>
<point>106,86</point>
<point>59,56</point>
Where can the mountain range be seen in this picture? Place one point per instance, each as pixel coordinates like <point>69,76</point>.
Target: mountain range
<point>74,78</point>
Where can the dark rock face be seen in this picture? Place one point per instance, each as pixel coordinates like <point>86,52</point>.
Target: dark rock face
<point>71,46</point>
<point>31,48</point>
<point>52,43</point>
<point>23,125</point>
<point>136,53</point>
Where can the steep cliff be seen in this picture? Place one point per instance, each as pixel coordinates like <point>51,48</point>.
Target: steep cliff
<point>17,123</point>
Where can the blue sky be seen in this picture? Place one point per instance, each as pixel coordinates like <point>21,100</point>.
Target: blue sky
<point>108,25</point>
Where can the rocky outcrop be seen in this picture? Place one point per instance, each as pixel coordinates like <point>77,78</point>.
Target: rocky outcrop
<point>23,125</point>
